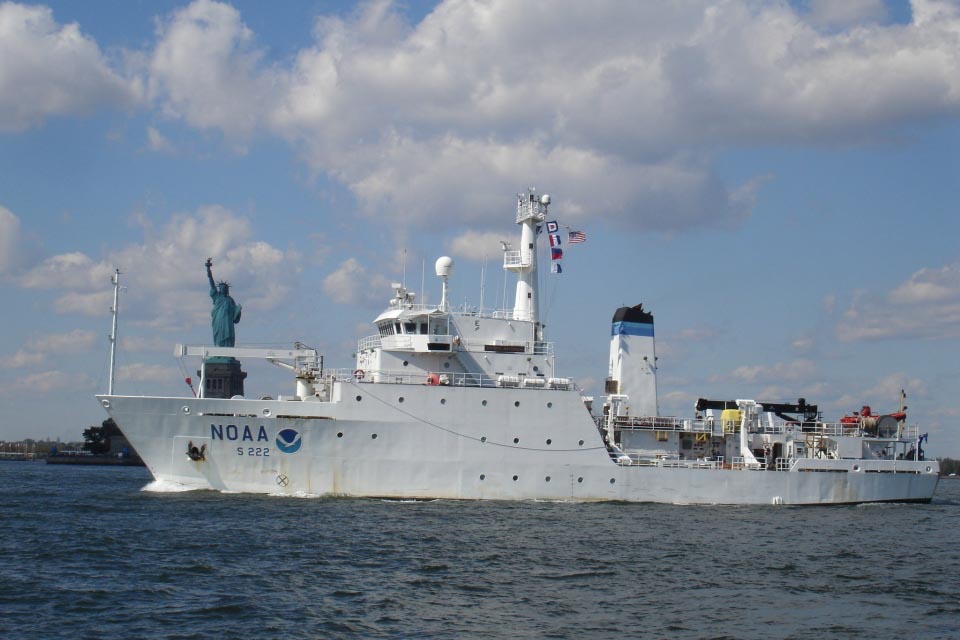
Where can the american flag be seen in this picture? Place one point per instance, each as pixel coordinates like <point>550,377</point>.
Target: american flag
<point>576,236</point>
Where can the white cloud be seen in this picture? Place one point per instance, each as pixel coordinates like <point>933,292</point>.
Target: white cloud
<point>475,245</point>
<point>165,275</point>
<point>929,11</point>
<point>830,13</point>
<point>930,286</point>
<point>93,304</point>
<point>49,381</point>
<point>803,343</point>
<point>48,69</point>
<point>67,271</point>
<point>157,142</point>
<point>351,283</point>
<point>9,240</point>
<point>42,348</point>
<point>140,372</point>
<point>137,344</point>
<point>613,106</point>
<point>926,306</point>
<point>791,371</point>
<point>204,69</point>
<point>605,102</point>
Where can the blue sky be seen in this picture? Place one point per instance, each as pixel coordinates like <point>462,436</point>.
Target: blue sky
<point>776,181</point>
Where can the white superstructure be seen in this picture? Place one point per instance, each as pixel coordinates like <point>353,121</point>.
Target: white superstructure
<point>470,404</point>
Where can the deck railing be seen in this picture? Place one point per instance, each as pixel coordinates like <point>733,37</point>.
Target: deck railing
<point>664,423</point>
<point>449,379</point>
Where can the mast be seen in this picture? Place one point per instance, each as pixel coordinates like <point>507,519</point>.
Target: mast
<point>113,331</point>
<point>531,210</point>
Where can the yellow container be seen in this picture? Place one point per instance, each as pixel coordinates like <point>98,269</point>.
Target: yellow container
<point>730,419</point>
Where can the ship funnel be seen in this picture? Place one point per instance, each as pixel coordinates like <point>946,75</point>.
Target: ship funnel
<point>633,360</point>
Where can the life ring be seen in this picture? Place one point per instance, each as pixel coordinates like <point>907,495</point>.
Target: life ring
<point>358,374</point>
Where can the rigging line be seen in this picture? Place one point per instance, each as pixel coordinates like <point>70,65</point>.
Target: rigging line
<point>463,435</point>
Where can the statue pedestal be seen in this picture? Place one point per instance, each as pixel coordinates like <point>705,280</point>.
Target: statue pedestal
<point>223,379</point>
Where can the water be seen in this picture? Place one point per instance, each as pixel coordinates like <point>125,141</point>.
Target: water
<point>87,554</point>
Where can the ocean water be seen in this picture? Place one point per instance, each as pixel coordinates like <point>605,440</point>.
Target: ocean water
<point>86,553</point>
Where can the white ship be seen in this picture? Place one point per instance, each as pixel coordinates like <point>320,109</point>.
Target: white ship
<point>469,404</point>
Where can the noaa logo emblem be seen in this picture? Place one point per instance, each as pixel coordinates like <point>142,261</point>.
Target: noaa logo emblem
<point>289,441</point>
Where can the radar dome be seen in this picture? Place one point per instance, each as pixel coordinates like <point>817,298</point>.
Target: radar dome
<point>545,199</point>
<point>444,267</point>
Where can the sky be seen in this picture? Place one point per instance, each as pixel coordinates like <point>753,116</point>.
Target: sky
<point>776,181</point>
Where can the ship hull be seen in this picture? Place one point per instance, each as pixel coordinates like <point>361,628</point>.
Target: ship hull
<point>374,440</point>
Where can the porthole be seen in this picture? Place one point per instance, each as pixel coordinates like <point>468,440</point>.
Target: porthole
<point>446,365</point>
<point>443,401</point>
<point>483,476</point>
<point>405,363</point>
<point>517,403</point>
<point>549,405</point>
<point>340,434</point>
<point>549,441</point>
<point>581,443</point>
<point>580,480</point>
<point>400,399</point>
<point>483,439</point>
<point>515,478</point>
<point>358,398</point>
<point>185,409</point>
<point>266,413</point>
<point>373,436</point>
<point>856,467</point>
<point>516,441</point>
<point>106,405</point>
<point>536,368</point>
<point>613,480</point>
<point>547,479</point>
<point>484,403</point>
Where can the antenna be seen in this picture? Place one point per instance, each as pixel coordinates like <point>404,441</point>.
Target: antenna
<point>483,276</point>
<point>423,275</point>
<point>114,310</point>
<point>505,246</point>
<point>403,276</point>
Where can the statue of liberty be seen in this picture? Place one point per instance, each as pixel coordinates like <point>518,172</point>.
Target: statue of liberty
<point>225,312</point>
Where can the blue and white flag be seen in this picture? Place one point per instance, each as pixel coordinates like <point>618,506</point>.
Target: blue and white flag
<point>556,268</point>
<point>553,227</point>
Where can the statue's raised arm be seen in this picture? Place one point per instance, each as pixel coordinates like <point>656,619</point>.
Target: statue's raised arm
<point>213,286</point>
